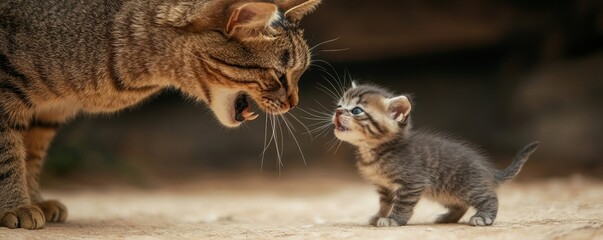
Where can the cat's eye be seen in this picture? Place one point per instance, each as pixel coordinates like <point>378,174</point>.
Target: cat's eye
<point>283,80</point>
<point>357,111</point>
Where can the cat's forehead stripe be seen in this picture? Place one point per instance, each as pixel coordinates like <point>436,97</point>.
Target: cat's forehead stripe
<point>305,57</point>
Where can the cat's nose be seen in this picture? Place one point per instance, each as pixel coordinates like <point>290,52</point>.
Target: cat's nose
<point>338,112</point>
<point>293,100</point>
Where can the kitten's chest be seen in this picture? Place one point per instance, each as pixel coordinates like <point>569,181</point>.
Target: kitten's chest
<point>374,175</point>
<point>373,171</point>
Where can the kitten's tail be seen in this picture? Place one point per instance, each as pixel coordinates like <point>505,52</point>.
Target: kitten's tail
<point>517,163</point>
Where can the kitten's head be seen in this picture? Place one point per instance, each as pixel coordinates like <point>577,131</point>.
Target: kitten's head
<point>370,115</point>
<point>246,50</point>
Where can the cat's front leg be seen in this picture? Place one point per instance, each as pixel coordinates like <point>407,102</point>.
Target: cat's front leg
<point>385,204</point>
<point>16,210</point>
<point>405,199</point>
<point>37,139</point>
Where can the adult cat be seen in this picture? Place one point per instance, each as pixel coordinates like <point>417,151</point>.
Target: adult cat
<point>62,57</point>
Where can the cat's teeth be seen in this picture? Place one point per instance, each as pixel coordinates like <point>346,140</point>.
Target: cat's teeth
<point>253,117</point>
<point>250,115</point>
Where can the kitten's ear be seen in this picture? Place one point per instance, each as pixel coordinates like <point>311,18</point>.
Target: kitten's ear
<point>399,107</point>
<point>251,18</point>
<point>295,10</point>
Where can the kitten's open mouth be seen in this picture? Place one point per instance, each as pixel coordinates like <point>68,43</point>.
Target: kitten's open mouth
<point>338,126</point>
<point>241,108</point>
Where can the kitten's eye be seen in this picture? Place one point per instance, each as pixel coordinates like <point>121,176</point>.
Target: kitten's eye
<point>357,111</point>
<point>338,106</point>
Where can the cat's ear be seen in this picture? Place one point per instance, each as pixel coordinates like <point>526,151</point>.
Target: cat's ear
<point>251,18</point>
<point>295,10</point>
<point>399,107</point>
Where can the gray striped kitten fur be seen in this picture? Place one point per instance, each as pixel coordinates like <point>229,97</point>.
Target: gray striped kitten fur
<point>406,164</point>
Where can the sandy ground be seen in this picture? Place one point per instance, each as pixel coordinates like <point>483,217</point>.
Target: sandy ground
<point>313,208</point>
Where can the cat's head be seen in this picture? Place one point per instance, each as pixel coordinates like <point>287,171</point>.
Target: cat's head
<point>370,115</point>
<point>245,50</point>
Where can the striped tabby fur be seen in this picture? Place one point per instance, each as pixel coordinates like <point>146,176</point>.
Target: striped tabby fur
<point>59,58</point>
<point>406,164</point>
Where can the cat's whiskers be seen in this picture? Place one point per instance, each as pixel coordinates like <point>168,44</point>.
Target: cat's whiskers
<point>288,126</point>
<point>265,144</point>
<point>273,137</point>
<point>276,122</point>
<point>273,122</point>
<point>333,50</point>
<point>323,43</point>
<point>282,148</point>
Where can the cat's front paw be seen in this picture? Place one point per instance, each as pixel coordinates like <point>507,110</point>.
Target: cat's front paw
<point>28,217</point>
<point>54,211</point>
<point>386,222</point>
<point>481,221</point>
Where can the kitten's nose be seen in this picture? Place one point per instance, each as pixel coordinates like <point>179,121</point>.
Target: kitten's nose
<point>338,112</point>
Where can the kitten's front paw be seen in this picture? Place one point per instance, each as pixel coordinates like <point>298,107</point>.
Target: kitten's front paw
<point>480,221</point>
<point>386,222</point>
<point>28,217</point>
<point>373,220</point>
<point>54,211</point>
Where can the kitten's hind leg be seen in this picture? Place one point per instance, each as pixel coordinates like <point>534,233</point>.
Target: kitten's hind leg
<point>487,208</point>
<point>385,205</point>
<point>454,214</point>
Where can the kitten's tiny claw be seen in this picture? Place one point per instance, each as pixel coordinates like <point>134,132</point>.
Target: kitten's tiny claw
<point>387,222</point>
<point>480,221</point>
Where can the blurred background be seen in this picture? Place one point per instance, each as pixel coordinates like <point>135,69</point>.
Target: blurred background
<point>499,74</point>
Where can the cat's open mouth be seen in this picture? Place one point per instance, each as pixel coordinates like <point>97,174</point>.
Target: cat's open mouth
<point>241,108</point>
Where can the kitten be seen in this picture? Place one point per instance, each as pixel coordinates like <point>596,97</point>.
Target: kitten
<point>406,164</point>
<point>59,58</point>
